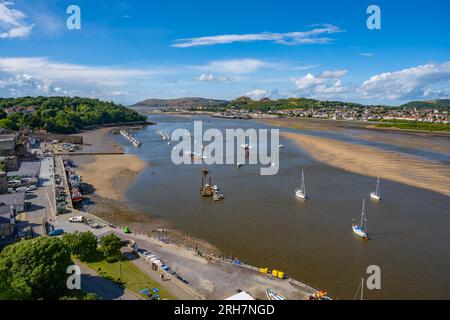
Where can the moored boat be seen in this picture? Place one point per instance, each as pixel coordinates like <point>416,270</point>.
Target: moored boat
<point>273,295</point>
<point>376,195</point>
<point>300,193</point>
<point>360,230</point>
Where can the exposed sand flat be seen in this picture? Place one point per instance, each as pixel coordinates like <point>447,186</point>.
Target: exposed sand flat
<point>410,140</point>
<point>436,142</point>
<point>370,161</point>
<point>111,174</point>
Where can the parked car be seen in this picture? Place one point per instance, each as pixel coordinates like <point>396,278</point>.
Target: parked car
<point>31,188</point>
<point>56,232</point>
<point>21,189</point>
<point>78,219</point>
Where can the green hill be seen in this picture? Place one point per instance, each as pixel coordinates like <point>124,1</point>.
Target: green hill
<point>62,114</point>
<point>267,104</point>
<point>430,104</point>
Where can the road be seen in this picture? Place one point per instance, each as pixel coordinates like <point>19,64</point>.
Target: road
<point>216,280</point>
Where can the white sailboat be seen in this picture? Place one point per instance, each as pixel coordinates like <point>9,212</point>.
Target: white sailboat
<point>360,230</point>
<point>375,195</point>
<point>360,290</point>
<point>301,192</point>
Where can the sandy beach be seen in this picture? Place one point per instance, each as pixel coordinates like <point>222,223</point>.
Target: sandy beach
<point>111,174</point>
<point>374,162</point>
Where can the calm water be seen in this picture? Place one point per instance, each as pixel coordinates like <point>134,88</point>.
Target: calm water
<point>261,222</point>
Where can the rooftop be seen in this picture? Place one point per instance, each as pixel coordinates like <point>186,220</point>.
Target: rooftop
<point>27,169</point>
<point>7,137</point>
<point>11,198</point>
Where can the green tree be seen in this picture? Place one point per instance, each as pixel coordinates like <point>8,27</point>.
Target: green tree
<point>8,124</point>
<point>110,247</point>
<point>82,244</point>
<point>34,269</point>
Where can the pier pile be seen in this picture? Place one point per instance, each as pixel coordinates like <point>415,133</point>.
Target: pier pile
<point>129,136</point>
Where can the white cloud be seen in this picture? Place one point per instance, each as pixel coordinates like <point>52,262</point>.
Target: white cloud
<point>206,77</point>
<point>367,54</point>
<point>43,68</point>
<point>258,94</point>
<point>35,76</point>
<point>12,22</point>
<point>326,85</point>
<point>333,73</point>
<point>314,36</point>
<point>239,66</point>
<point>412,83</point>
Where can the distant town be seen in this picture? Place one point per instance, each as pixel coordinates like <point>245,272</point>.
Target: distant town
<point>425,115</point>
<point>347,113</point>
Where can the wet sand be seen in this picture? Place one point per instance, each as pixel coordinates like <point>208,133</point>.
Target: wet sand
<point>111,174</point>
<point>409,140</point>
<point>109,177</point>
<point>374,162</point>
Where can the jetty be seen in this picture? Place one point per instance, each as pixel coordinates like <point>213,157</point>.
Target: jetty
<point>129,136</point>
<point>164,135</point>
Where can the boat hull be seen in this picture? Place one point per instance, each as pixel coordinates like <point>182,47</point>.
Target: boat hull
<point>300,195</point>
<point>359,232</point>
<point>374,196</point>
<point>273,295</point>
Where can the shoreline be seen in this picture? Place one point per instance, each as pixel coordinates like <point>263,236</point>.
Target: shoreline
<point>370,161</point>
<point>323,124</point>
<point>109,176</point>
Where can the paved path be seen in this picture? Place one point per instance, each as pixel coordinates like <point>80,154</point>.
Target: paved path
<point>46,172</point>
<point>217,280</point>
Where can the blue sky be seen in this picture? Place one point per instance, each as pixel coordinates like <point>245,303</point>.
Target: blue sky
<point>130,50</point>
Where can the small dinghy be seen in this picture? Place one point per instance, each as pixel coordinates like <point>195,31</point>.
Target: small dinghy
<point>273,295</point>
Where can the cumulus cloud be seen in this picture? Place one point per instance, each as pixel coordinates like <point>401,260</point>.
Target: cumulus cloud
<point>411,83</point>
<point>258,94</point>
<point>31,76</point>
<point>325,85</point>
<point>13,22</point>
<point>43,68</point>
<point>313,36</point>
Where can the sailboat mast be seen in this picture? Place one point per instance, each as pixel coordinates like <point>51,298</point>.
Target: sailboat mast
<point>303,183</point>
<point>362,288</point>
<point>362,212</point>
<point>378,186</point>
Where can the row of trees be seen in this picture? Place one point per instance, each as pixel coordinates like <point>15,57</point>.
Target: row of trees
<point>37,268</point>
<point>64,114</point>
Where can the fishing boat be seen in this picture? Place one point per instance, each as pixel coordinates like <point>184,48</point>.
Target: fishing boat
<point>76,196</point>
<point>360,230</point>
<point>300,193</point>
<point>273,295</point>
<point>375,195</point>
